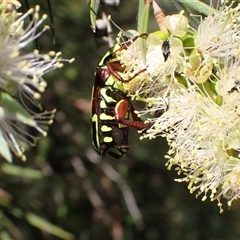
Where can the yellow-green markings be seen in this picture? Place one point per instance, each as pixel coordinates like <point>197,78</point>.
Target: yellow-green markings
<point>120,125</point>
<point>95,127</point>
<point>103,104</point>
<point>105,128</point>
<point>116,153</point>
<point>108,139</point>
<point>104,116</point>
<point>115,84</point>
<point>107,98</point>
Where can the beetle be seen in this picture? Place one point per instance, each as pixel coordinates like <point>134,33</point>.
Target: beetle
<point>111,107</point>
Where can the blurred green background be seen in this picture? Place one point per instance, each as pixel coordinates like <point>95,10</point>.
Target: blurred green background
<point>66,191</point>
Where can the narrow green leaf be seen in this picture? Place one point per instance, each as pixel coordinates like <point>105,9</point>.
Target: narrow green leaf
<point>143,26</point>
<point>4,149</point>
<point>140,13</point>
<point>18,171</point>
<point>15,211</point>
<point>10,227</point>
<point>48,227</point>
<point>201,7</point>
<point>94,5</point>
<point>11,106</point>
<point>5,235</point>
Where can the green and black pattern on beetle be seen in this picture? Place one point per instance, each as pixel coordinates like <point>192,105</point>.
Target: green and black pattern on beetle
<point>111,107</point>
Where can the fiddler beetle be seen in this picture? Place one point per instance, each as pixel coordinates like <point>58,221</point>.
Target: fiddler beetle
<point>111,107</point>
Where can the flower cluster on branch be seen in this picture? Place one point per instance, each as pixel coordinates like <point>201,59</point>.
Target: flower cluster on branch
<point>21,80</point>
<point>191,89</point>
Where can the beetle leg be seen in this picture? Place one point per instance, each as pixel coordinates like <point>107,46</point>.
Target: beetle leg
<point>112,70</point>
<point>121,111</point>
<point>138,120</point>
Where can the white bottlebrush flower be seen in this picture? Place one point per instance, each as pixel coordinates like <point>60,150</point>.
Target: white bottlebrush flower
<point>204,142</point>
<point>177,24</point>
<point>10,5</point>
<point>21,76</point>
<point>193,99</point>
<point>217,35</point>
<point>22,72</point>
<point>15,122</point>
<point>231,72</point>
<point>157,72</point>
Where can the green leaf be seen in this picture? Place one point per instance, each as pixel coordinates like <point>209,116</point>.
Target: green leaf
<point>7,227</point>
<point>5,235</point>
<point>140,12</point>
<point>17,171</point>
<point>4,149</point>
<point>11,106</point>
<point>199,6</point>
<point>94,5</point>
<point>48,227</point>
<point>143,16</point>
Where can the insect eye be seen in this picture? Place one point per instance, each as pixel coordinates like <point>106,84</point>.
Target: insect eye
<point>126,37</point>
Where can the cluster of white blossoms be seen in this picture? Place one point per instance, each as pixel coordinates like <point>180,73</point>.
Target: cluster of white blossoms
<point>191,89</point>
<point>21,80</point>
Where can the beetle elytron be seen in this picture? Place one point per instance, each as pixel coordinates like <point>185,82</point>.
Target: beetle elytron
<point>111,108</point>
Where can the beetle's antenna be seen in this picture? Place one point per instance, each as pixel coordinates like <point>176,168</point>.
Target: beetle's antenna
<point>110,19</point>
<point>129,34</point>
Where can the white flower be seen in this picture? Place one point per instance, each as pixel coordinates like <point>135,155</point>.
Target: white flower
<point>204,141</point>
<point>193,100</point>
<point>177,24</point>
<point>15,123</point>
<point>154,75</point>
<point>228,77</point>
<point>19,72</point>
<point>218,34</point>
<point>21,76</point>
